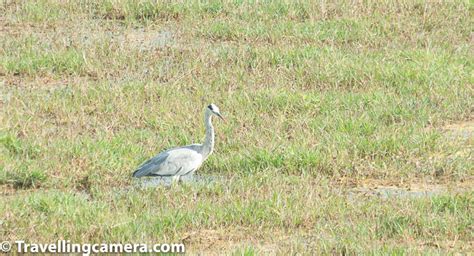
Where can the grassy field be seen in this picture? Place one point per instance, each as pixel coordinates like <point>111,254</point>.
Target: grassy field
<point>328,103</point>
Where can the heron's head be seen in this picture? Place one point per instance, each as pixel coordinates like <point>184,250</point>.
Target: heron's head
<point>215,110</point>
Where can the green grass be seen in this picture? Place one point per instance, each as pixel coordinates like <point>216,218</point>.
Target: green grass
<point>319,97</point>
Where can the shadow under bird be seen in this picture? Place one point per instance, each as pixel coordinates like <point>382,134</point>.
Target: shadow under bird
<point>183,161</point>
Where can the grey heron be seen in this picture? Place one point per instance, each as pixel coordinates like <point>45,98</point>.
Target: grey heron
<point>182,161</point>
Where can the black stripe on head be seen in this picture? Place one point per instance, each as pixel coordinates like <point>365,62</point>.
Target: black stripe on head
<point>210,107</point>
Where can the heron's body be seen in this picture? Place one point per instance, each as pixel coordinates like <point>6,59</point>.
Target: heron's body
<point>181,161</point>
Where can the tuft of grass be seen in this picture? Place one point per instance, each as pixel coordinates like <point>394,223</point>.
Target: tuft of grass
<point>23,178</point>
<point>39,11</point>
<point>246,251</point>
<point>35,62</point>
<point>391,226</point>
<point>452,203</point>
<point>18,147</point>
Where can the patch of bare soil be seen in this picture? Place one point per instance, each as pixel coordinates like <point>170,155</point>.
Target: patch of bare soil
<point>461,128</point>
<point>218,242</point>
<point>43,82</point>
<point>412,189</point>
<point>384,189</point>
<point>463,131</point>
<point>418,188</point>
<point>449,245</point>
<point>150,40</point>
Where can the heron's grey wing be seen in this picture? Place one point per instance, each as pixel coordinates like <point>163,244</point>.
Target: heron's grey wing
<point>179,161</point>
<point>150,166</point>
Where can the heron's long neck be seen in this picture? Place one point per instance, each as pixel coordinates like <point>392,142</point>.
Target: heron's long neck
<point>208,145</point>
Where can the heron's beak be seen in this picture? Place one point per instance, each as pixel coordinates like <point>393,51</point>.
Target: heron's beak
<point>220,116</point>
